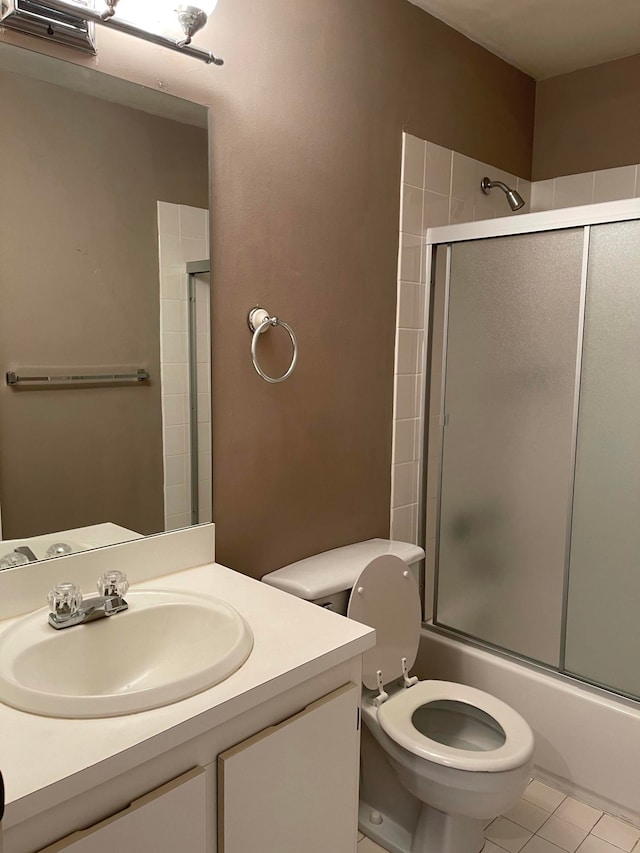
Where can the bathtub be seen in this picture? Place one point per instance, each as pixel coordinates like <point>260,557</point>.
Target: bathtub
<point>587,740</point>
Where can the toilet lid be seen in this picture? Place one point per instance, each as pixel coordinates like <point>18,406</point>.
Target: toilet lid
<point>385,597</point>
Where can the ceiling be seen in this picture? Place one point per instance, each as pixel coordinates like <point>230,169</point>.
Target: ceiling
<point>545,38</point>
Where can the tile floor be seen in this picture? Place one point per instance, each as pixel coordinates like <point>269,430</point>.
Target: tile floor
<point>547,821</point>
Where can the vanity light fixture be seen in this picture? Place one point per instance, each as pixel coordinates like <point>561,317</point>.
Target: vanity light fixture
<point>167,23</point>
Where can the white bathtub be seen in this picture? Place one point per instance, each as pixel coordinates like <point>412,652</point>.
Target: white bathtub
<point>587,740</point>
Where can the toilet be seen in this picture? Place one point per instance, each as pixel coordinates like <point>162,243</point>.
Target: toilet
<point>439,760</point>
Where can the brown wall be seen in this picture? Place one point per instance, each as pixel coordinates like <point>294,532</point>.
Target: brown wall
<point>306,165</point>
<point>588,120</point>
<point>307,117</point>
<point>79,287</point>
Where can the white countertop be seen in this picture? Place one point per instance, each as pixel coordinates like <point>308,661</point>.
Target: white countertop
<point>293,641</point>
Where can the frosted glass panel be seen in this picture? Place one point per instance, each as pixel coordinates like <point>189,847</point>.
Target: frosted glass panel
<point>514,305</point>
<point>603,620</point>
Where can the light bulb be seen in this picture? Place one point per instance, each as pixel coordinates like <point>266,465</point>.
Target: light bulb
<point>194,16</point>
<point>166,17</point>
<point>156,16</point>
<point>206,6</point>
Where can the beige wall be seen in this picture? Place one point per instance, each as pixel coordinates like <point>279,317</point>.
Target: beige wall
<point>307,120</point>
<point>79,288</point>
<point>588,120</point>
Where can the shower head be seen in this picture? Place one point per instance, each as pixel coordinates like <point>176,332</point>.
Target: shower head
<point>515,199</point>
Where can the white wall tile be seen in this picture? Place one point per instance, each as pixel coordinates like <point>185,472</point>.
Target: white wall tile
<point>203,348</point>
<point>175,409</point>
<point>436,210</point>
<point>204,435</point>
<point>407,351</point>
<point>169,250</point>
<point>464,181</point>
<point>402,523</point>
<point>175,522</point>
<point>406,401</point>
<point>411,258</point>
<point>175,440</point>
<point>175,379</point>
<point>615,184</point>
<point>524,189</point>
<point>175,470</point>
<point>204,494</point>
<point>204,408</point>
<point>411,296</point>
<point>413,161</point>
<point>193,223</point>
<point>404,433</point>
<point>173,283</point>
<point>484,205</point>
<point>204,464</point>
<point>411,218</point>
<point>176,500</point>
<point>542,195</point>
<point>404,484</point>
<point>573,190</point>
<point>168,219</point>
<point>171,312</point>
<point>192,250</point>
<point>171,347</point>
<point>461,210</point>
<point>438,169</point>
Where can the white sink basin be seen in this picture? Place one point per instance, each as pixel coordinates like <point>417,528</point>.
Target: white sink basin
<point>168,645</point>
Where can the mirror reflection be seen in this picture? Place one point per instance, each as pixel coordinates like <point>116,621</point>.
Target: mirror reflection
<point>104,214</point>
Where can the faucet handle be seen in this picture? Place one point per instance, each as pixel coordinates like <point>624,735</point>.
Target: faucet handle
<point>65,599</point>
<point>113,583</point>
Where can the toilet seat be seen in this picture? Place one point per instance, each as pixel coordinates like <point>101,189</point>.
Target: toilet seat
<point>395,719</point>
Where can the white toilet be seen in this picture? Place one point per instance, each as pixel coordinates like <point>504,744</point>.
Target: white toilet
<point>439,759</point>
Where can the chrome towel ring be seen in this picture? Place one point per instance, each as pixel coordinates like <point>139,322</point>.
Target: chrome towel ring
<point>259,321</point>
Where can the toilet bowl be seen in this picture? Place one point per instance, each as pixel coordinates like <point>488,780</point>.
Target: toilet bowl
<point>439,759</point>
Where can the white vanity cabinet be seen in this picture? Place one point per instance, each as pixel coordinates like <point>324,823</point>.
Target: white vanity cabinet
<point>273,748</point>
<point>280,778</point>
<point>168,820</point>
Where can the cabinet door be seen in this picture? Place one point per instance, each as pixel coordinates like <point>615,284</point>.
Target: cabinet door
<point>171,819</point>
<point>294,787</point>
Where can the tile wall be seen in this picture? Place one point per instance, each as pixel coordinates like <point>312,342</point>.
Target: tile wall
<point>586,188</point>
<point>439,187</point>
<point>442,187</point>
<point>183,236</point>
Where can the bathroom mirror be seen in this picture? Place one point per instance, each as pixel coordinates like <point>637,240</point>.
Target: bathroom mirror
<point>105,197</point>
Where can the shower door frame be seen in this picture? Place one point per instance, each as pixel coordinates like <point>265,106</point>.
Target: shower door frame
<point>444,236</point>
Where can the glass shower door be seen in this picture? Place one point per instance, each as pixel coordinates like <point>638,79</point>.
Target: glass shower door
<point>603,615</point>
<point>511,356</point>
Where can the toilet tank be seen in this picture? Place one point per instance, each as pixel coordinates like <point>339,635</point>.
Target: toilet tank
<point>327,579</point>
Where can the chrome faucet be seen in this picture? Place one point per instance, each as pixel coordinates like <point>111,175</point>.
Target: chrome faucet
<point>27,552</point>
<point>68,608</point>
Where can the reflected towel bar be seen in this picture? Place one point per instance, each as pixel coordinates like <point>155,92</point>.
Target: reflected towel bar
<point>139,376</point>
